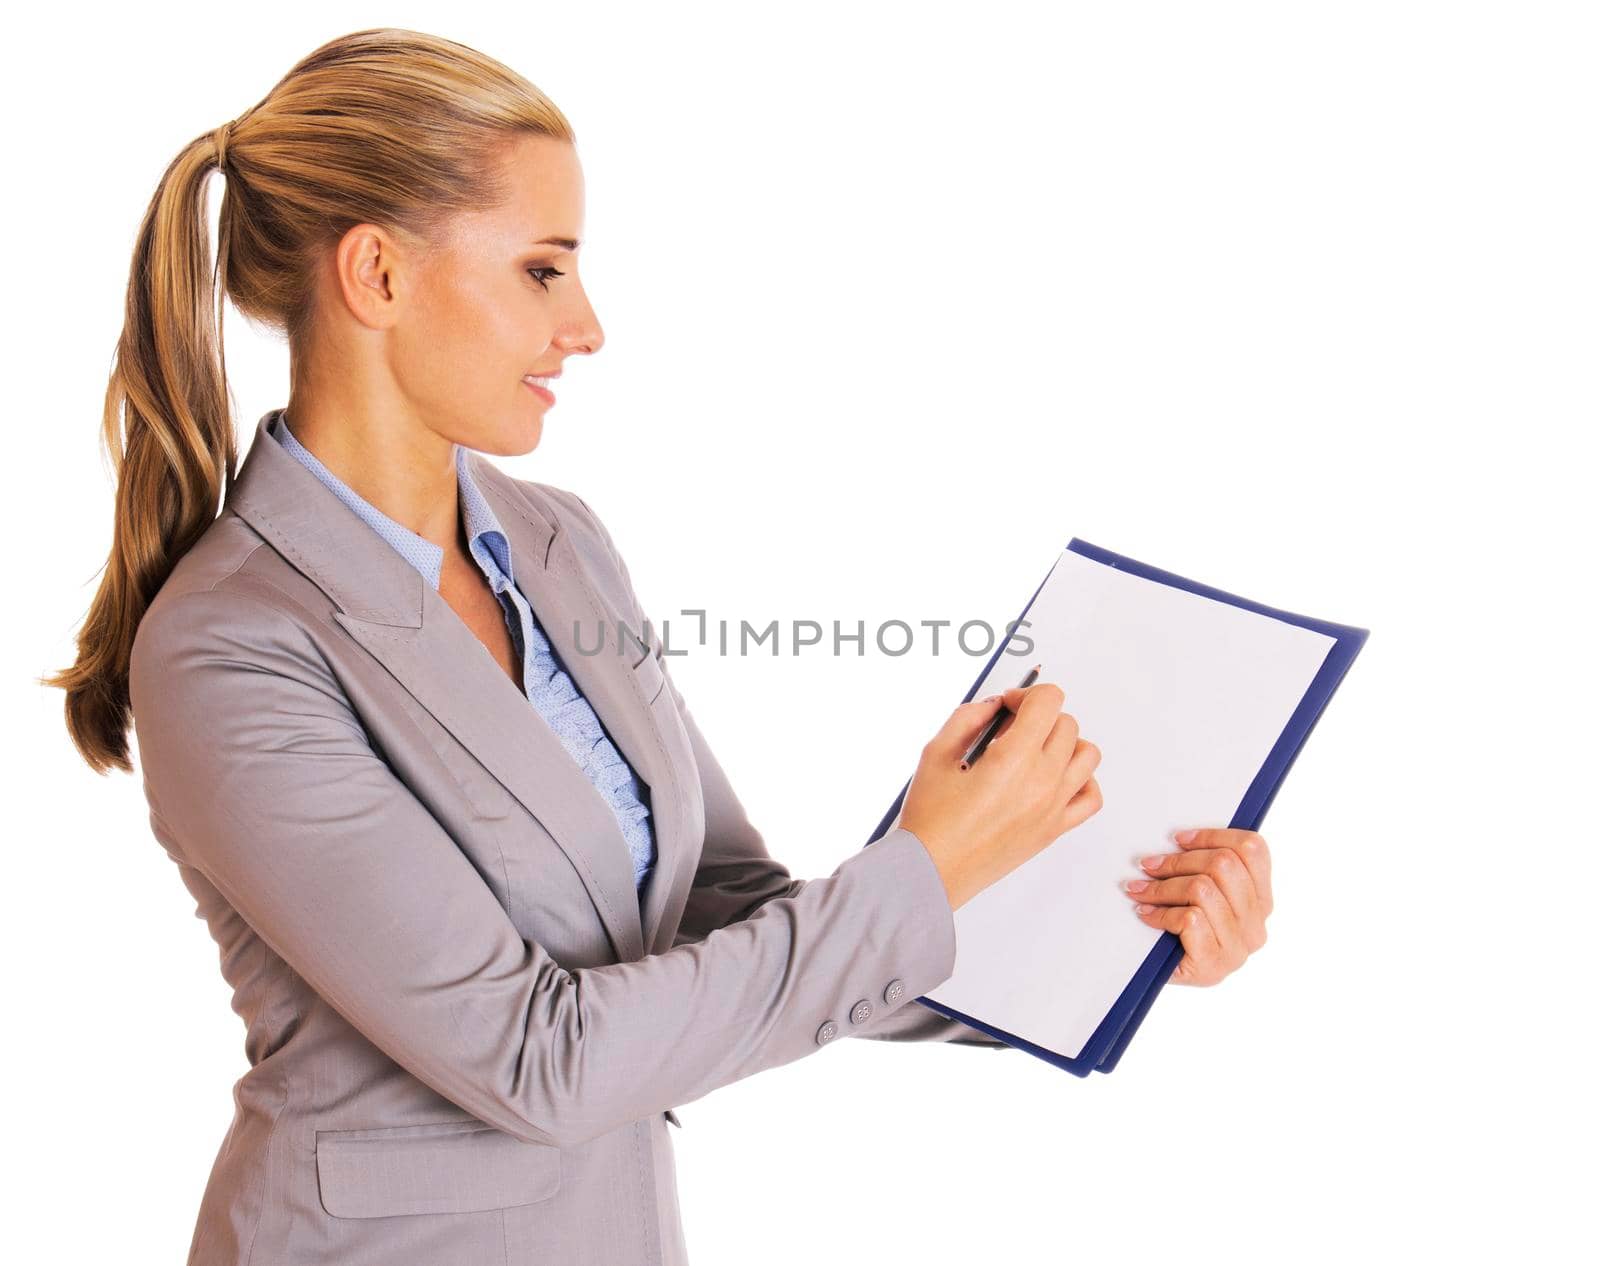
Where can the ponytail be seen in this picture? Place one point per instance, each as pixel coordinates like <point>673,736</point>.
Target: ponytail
<point>382,126</point>
<point>169,432</point>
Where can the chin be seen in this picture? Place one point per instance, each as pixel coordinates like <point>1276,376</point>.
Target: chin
<point>526,438</point>
<point>512,440</point>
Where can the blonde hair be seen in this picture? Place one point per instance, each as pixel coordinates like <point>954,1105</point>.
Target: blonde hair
<point>383,126</point>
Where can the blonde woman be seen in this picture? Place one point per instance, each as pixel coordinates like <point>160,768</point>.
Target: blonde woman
<point>487,902</point>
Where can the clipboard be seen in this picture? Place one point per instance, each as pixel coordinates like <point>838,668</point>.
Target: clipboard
<point>1115,1032</point>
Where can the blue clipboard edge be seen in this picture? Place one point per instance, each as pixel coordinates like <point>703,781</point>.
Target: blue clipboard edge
<point>1111,1039</point>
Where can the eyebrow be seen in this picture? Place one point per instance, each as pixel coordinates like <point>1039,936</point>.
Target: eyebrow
<point>565,243</point>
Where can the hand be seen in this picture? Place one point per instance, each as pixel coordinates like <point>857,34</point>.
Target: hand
<point>1216,895</point>
<point>1034,784</point>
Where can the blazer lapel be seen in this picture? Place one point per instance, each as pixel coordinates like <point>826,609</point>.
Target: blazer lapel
<point>386,605</point>
<point>588,639</point>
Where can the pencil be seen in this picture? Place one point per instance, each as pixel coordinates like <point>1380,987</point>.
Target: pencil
<point>993,728</point>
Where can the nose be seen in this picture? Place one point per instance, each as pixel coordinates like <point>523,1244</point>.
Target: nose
<point>582,333</point>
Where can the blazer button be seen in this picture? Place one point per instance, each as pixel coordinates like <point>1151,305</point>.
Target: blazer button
<point>895,991</point>
<point>827,1032</point>
<point>860,1013</point>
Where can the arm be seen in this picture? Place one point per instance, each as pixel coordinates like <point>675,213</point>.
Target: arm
<point>265,780</point>
<point>737,875</point>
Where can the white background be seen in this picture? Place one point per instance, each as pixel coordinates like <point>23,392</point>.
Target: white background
<point>1297,300</point>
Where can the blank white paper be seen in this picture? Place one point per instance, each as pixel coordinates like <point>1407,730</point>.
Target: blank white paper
<point>1185,696</point>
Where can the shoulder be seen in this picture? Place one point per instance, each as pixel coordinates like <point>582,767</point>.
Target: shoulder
<point>230,599</point>
<point>237,620</point>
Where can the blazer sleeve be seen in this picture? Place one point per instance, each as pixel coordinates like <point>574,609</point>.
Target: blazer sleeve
<point>266,781</point>
<point>737,875</point>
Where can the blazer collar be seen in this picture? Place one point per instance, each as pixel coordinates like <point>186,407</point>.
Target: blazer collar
<point>387,606</point>
<point>292,508</point>
<point>483,530</point>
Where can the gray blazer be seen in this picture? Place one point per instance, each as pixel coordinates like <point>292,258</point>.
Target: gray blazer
<point>464,1032</point>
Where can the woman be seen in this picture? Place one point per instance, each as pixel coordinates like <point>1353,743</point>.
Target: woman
<point>481,947</point>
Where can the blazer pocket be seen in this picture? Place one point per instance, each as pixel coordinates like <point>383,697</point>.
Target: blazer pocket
<point>647,672</point>
<point>449,1167</point>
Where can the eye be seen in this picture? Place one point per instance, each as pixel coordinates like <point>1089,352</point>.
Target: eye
<point>535,273</point>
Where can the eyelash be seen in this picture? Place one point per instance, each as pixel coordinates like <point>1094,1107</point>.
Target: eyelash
<point>549,272</point>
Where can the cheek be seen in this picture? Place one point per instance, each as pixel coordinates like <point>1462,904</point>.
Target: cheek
<point>460,363</point>
<point>464,350</point>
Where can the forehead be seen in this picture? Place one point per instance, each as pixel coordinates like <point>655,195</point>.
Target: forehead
<point>544,188</point>
<point>543,183</point>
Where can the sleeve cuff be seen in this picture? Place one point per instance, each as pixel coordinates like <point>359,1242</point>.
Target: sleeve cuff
<point>905,874</point>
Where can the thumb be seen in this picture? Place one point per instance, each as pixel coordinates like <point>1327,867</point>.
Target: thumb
<point>964,725</point>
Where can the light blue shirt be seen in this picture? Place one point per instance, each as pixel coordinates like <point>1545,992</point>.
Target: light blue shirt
<point>546,684</point>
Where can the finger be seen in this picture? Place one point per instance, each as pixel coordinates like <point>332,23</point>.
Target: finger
<point>1084,805</point>
<point>1080,766</point>
<point>1222,864</point>
<point>1062,741</point>
<point>963,726</point>
<point>1011,700</point>
<point>1202,955</point>
<point>1008,719</point>
<point>1034,714</point>
<point>1203,893</point>
<point>1250,847</point>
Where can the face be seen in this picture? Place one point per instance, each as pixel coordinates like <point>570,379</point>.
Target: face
<point>493,302</point>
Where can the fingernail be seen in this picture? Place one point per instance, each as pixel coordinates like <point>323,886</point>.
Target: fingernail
<point>1151,863</point>
<point>1136,885</point>
<point>1143,909</point>
<point>990,698</point>
<point>1185,837</point>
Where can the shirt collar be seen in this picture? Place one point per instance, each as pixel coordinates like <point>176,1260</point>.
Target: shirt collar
<point>485,537</point>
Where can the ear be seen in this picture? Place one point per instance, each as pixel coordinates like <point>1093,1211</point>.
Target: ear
<point>369,265</point>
